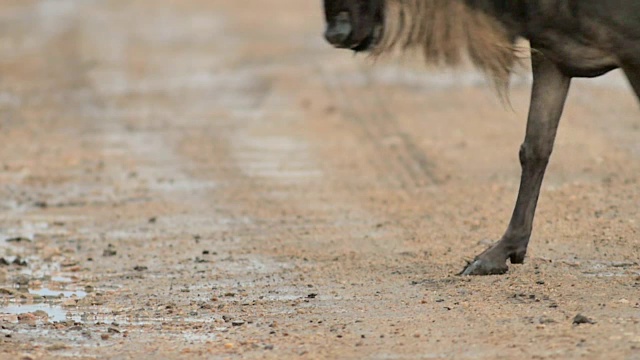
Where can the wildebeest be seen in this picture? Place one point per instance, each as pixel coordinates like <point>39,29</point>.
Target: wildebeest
<point>568,38</point>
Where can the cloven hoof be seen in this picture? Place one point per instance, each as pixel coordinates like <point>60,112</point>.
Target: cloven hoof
<point>484,267</point>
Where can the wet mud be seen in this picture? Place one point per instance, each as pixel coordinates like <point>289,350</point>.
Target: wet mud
<point>209,179</point>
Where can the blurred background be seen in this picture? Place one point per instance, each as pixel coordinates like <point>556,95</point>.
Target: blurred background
<point>187,177</point>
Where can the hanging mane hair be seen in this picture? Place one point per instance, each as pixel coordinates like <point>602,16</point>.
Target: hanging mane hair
<point>449,31</point>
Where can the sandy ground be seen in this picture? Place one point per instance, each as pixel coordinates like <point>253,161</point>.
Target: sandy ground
<point>209,179</point>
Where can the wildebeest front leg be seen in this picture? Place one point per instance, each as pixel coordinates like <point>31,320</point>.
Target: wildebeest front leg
<point>549,91</point>
<point>632,70</point>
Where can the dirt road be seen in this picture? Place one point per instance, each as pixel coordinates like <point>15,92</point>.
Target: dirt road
<point>208,179</point>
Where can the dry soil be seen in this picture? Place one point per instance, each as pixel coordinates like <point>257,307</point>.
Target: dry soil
<point>209,179</point>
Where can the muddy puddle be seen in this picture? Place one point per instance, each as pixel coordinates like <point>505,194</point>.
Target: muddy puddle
<point>47,300</point>
<point>49,293</point>
<point>54,313</point>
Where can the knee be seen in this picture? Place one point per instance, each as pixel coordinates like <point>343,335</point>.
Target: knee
<point>531,154</point>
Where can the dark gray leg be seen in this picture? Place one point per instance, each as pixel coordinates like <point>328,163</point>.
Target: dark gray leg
<point>548,95</point>
<point>633,74</point>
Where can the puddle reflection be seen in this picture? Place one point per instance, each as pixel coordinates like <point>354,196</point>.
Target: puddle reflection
<point>55,313</point>
<point>46,292</point>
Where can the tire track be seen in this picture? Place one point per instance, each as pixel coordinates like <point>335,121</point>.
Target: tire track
<point>371,115</point>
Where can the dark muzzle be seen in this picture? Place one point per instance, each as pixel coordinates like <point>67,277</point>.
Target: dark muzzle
<point>339,30</point>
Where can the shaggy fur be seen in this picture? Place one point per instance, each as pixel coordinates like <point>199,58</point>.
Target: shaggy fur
<point>448,31</point>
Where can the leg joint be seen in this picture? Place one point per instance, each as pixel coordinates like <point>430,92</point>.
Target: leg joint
<point>535,153</point>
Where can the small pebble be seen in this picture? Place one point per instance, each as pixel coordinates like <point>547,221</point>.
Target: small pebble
<point>109,251</point>
<point>58,346</point>
<point>581,319</point>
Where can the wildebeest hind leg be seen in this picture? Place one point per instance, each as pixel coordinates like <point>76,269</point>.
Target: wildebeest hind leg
<point>549,91</point>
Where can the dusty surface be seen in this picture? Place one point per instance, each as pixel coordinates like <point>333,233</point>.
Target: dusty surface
<point>195,179</point>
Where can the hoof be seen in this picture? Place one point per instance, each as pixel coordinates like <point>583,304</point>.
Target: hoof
<point>484,267</point>
<point>517,258</point>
